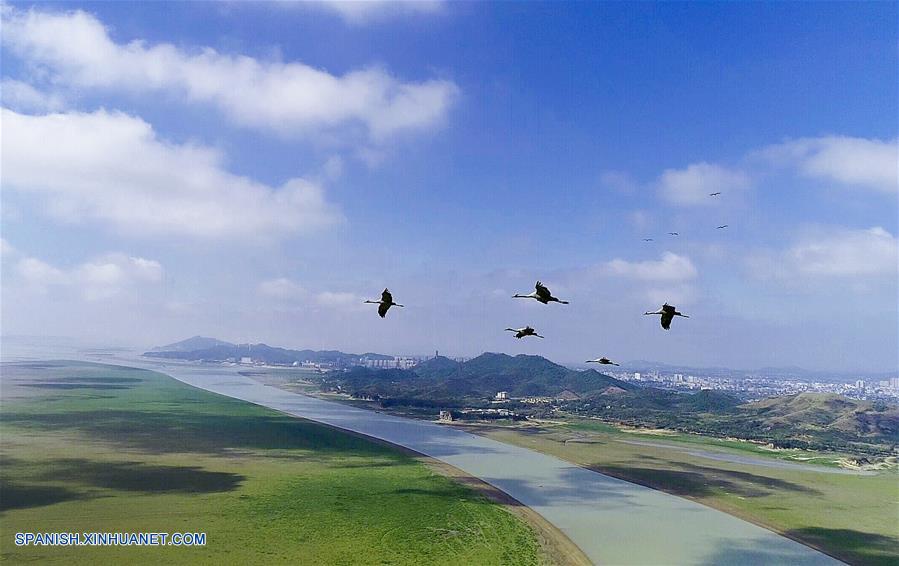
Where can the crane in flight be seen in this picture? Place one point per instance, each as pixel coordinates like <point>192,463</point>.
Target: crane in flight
<point>721,227</point>
<point>714,194</point>
<point>542,294</point>
<point>522,332</point>
<point>647,239</point>
<point>668,313</point>
<point>673,234</point>
<point>602,361</point>
<point>385,303</point>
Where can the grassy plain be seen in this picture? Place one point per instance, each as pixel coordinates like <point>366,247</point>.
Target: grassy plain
<point>852,517</point>
<point>87,448</point>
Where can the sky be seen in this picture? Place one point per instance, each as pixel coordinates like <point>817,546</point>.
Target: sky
<point>254,171</point>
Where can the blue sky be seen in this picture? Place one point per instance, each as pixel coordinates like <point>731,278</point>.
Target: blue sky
<point>252,171</point>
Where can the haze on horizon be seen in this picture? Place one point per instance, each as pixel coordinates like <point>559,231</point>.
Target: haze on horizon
<point>252,172</point>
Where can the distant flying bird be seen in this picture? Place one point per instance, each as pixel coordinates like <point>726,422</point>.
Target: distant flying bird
<point>647,239</point>
<point>603,361</point>
<point>541,294</point>
<point>673,234</point>
<point>385,303</point>
<point>714,194</point>
<point>522,332</point>
<point>668,313</point>
<point>720,227</point>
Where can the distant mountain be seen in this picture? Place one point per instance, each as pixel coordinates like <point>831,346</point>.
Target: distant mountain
<point>192,344</point>
<point>199,348</point>
<point>479,378</point>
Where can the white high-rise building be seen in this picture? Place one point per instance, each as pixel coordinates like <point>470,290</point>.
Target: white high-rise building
<point>637,376</point>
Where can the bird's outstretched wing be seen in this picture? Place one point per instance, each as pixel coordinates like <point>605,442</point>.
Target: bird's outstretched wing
<point>386,297</point>
<point>542,291</point>
<point>382,309</point>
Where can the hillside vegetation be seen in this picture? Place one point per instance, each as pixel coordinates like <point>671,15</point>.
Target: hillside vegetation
<point>807,420</point>
<point>441,380</point>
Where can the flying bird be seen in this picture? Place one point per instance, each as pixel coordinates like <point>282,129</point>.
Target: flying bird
<point>385,303</point>
<point>720,227</point>
<point>603,361</point>
<point>647,239</point>
<point>673,234</point>
<point>714,194</point>
<point>541,294</point>
<point>522,332</point>
<point>668,313</point>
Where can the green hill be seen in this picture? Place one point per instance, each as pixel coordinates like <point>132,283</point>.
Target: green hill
<point>818,412</point>
<point>479,378</point>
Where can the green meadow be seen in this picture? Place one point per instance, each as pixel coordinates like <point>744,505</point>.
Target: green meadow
<point>90,448</point>
<point>852,517</point>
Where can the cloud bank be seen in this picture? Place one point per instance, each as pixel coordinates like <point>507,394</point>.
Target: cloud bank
<point>112,168</point>
<point>286,98</point>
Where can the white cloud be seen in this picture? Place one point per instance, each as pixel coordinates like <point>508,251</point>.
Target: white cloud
<point>333,168</point>
<point>692,186</point>
<point>842,253</point>
<point>109,275</point>
<point>288,98</point>
<point>846,253</point>
<point>111,167</point>
<point>289,291</point>
<point>332,299</point>
<point>359,12</point>
<point>100,278</point>
<point>39,273</point>
<point>6,249</point>
<point>641,220</point>
<point>671,267</point>
<point>868,163</point>
<point>22,96</point>
<point>281,288</point>
<point>117,268</point>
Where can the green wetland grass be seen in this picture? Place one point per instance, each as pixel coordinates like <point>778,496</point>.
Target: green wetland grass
<point>90,448</point>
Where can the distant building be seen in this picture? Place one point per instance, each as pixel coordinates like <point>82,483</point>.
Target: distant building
<point>860,384</point>
<point>636,376</point>
<point>247,360</point>
<point>446,416</point>
<point>502,395</point>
